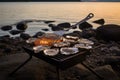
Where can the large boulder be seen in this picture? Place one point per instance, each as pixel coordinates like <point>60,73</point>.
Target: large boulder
<point>109,32</point>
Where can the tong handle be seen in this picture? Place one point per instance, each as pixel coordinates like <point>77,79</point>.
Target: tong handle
<point>89,16</point>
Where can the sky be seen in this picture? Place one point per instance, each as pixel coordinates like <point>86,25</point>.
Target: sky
<point>102,0</point>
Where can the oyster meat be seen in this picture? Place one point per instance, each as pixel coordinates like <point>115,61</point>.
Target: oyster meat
<point>37,49</point>
<point>62,44</point>
<point>85,46</point>
<point>69,50</point>
<point>85,41</point>
<point>51,52</point>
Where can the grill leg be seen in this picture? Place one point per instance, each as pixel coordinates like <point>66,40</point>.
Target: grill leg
<point>100,77</point>
<point>30,57</point>
<point>58,73</point>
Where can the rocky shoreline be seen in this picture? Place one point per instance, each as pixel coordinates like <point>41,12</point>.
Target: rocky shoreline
<point>105,52</point>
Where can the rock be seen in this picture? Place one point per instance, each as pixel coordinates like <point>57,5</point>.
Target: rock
<point>7,50</point>
<point>6,28</point>
<point>21,26</point>
<point>112,60</point>
<point>99,21</point>
<point>47,22</point>
<point>4,36</point>
<point>38,34</point>
<point>51,25</point>
<point>14,32</point>
<point>45,29</point>
<point>64,25</point>
<point>78,32</point>
<point>87,33</point>
<point>25,36</point>
<point>55,28</point>
<point>85,25</point>
<point>109,32</point>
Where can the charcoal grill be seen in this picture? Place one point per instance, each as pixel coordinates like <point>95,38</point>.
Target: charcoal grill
<point>60,61</point>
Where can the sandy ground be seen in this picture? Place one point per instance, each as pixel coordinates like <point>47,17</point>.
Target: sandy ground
<point>37,69</point>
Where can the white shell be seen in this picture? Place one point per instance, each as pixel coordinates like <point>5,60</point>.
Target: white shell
<point>68,51</point>
<point>37,49</point>
<point>72,37</point>
<point>51,52</point>
<point>30,40</point>
<point>62,44</point>
<point>85,46</point>
<point>85,41</point>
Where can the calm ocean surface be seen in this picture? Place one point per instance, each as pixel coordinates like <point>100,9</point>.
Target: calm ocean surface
<point>12,12</point>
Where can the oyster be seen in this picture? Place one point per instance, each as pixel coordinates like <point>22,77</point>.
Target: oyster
<point>30,40</point>
<point>85,41</point>
<point>62,44</point>
<point>37,49</point>
<point>68,51</point>
<point>51,52</point>
<point>69,40</point>
<point>85,46</point>
<point>72,37</point>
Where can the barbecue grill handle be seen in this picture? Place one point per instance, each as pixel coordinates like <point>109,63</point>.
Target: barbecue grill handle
<point>89,16</point>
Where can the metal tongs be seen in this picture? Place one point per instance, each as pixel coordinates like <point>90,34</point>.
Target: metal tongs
<point>89,16</point>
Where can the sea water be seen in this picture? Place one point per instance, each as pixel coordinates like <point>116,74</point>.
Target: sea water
<point>12,12</point>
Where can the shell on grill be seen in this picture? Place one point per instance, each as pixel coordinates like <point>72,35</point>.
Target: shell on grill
<point>85,46</point>
<point>68,50</point>
<point>37,49</point>
<point>85,41</point>
<point>30,40</point>
<point>62,44</point>
<point>51,52</point>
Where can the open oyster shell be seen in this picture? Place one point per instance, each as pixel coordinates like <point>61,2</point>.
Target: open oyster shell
<point>62,44</point>
<point>85,41</point>
<point>85,46</point>
<point>51,52</point>
<point>30,40</point>
<point>68,51</point>
<point>37,49</point>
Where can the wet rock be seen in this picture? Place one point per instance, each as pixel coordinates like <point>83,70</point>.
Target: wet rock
<point>21,26</point>
<point>45,29</point>
<point>85,25</point>
<point>109,32</point>
<point>87,33</point>
<point>54,27</point>
<point>99,21</point>
<point>64,25</point>
<point>25,36</point>
<point>4,36</point>
<point>14,32</point>
<point>6,28</point>
<point>47,22</point>
<point>38,34</point>
<point>51,25</point>
<point>78,32</point>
